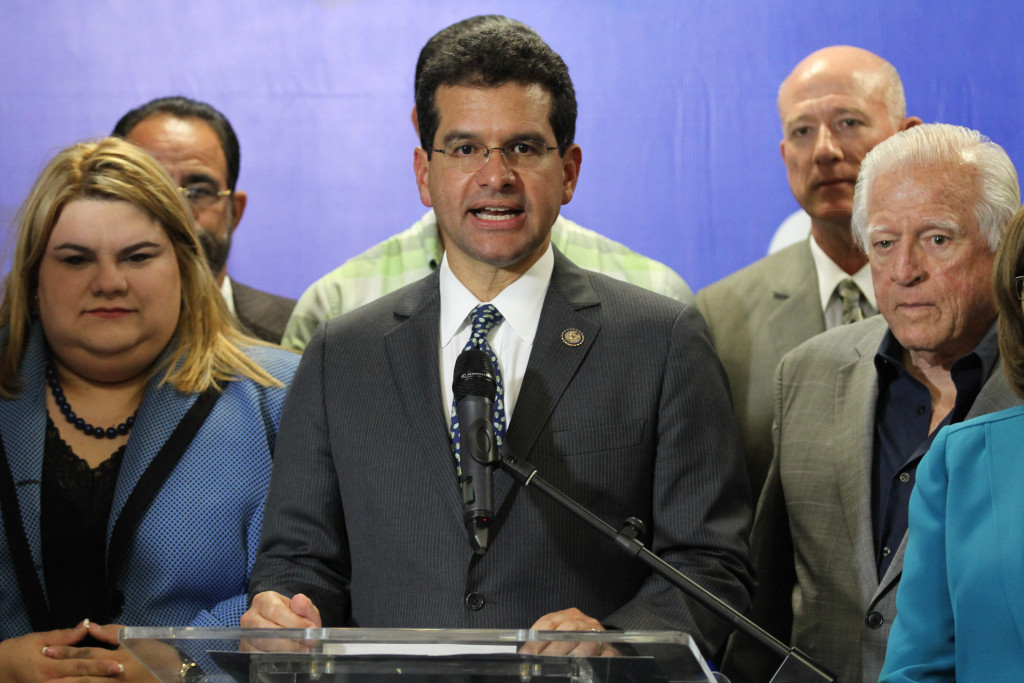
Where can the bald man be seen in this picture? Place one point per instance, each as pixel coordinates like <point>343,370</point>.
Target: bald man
<point>836,105</point>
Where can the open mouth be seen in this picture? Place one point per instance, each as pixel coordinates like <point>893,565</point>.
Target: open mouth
<point>495,213</point>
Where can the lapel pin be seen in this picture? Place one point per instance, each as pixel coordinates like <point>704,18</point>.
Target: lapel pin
<point>572,337</point>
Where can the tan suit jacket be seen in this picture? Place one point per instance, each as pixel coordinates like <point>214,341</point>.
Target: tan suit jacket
<point>757,315</point>
<point>813,539</point>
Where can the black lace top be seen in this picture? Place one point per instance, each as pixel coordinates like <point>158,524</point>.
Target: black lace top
<point>75,506</point>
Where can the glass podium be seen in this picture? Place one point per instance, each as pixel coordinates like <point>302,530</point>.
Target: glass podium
<point>199,655</point>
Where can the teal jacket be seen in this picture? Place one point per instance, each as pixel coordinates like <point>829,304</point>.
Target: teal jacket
<point>960,605</point>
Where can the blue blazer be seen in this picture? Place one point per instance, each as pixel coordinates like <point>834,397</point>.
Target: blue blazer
<point>188,561</point>
<point>960,606</point>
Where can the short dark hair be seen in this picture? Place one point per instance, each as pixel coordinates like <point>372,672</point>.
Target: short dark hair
<point>488,55</point>
<point>454,31</point>
<point>183,108</point>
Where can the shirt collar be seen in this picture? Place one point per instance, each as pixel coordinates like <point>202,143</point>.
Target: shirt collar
<point>228,292</point>
<point>889,359</point>
<point>520,303</point>
<point>830,275</point>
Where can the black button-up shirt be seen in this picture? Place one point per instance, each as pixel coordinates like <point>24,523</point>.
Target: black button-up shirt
<point>902,419</point>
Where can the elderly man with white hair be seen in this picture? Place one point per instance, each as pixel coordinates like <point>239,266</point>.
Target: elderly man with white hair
<point>857,407</point>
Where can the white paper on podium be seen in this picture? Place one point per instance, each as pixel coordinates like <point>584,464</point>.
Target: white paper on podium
<point>417,649</point>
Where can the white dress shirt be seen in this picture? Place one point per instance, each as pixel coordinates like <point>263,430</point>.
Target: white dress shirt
<point>228,292</point>
<point>511,339</point>
<point>829,277</point>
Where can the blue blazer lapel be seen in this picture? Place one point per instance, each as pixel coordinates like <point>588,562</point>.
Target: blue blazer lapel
<point>412,351</point>
<point>23,428</point>
<point>161,410</point>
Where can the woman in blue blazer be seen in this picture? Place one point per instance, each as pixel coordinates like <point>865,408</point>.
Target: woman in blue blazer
<point>136,422</point>
<point>960,605</point>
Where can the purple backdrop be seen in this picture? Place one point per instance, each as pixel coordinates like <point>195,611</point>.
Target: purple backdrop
<point>677,106</point>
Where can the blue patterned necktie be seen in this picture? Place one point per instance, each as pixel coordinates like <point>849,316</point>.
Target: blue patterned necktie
<point>485,317</point>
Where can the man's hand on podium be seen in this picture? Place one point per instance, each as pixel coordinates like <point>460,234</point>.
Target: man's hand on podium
<point>570,619</point>
<point>273,610</point>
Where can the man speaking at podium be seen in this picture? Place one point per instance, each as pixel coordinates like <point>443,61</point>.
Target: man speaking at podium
<point>612,392</point>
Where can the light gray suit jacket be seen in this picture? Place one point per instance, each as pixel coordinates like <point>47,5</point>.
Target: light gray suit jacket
<point>813,538</point>
<point>364,513</point>
<point>757,315</point>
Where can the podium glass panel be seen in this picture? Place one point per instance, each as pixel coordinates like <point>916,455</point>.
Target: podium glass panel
<point>415,656</point>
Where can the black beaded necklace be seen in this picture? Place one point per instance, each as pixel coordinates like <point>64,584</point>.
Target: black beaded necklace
<point>79,423</point>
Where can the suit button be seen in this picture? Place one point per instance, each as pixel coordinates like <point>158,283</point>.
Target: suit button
<point>474,601</point>
<point>874,620</point>
<point>116,605</point>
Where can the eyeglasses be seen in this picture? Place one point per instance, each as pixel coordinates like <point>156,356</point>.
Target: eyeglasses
<point>202,195</point>
<point>1018,286</point>
<point>470,157</point>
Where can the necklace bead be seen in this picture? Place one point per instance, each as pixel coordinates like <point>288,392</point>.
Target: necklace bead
<point>79,423</point>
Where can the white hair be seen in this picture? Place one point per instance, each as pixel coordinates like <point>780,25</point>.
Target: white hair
<point>998,191</point>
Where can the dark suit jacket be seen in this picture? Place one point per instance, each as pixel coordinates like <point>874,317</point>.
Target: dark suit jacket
<point>262,314</point>
<point>813,540</point>
<point>757,315</point>
<point>364,513</point>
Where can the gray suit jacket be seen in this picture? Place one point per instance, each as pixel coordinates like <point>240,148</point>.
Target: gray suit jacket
<point>757,315</point>
<point>813,539</point>
<point>262,314</point>
<point>364,513</point>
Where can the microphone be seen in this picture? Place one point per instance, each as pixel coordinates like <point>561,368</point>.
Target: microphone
<point>474,388</point>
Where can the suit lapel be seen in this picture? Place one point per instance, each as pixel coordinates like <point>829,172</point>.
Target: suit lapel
<point>161,410</point>
<point>854,417</point>
<point>553,362</point>
<point>412,350</point>
<point>796,313</point>
<point>23,429</point>
<point>996,395</point>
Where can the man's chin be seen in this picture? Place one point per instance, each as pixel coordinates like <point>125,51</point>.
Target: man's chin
<point>835,213</point>
<point>216,250</point>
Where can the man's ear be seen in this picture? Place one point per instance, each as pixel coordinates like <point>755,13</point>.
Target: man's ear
<point>910,122</point>
<point>238,201</point>
<point>421,165</point>
<point>571,161</point>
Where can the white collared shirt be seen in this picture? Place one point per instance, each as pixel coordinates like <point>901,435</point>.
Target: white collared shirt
<point>829,277</point>
<point>228,292</point>
<point>511,340</point>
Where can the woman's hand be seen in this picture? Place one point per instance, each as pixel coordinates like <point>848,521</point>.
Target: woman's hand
<point>125,665</point>
<point>29,658</point>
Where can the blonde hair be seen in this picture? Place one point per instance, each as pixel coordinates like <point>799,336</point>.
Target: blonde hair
<point>1009,263</point>
<point>207,346</point>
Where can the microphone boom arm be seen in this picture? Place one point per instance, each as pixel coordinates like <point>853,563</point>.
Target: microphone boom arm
<point>797,667</point>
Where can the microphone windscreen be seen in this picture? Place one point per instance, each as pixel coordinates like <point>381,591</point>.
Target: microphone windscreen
<point>474,375</point>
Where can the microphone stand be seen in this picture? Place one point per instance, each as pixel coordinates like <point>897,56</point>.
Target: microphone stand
<point>796,667</point>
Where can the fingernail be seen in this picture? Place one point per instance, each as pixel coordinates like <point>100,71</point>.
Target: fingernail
<point>45,653</point>
<point>85,623</point>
